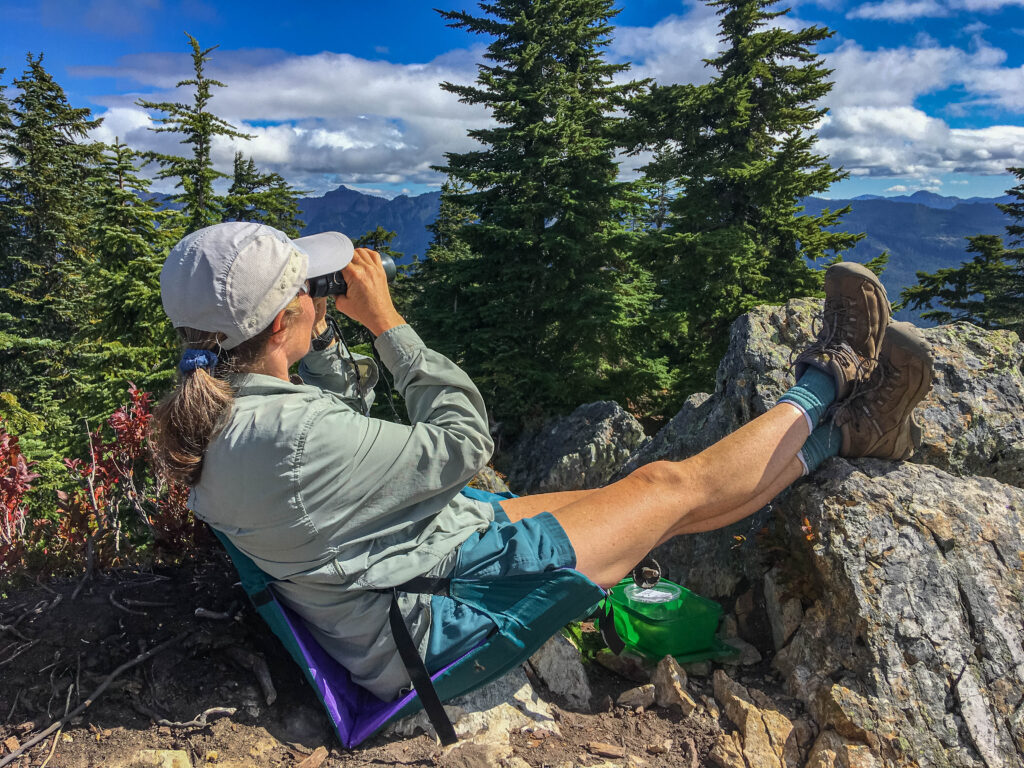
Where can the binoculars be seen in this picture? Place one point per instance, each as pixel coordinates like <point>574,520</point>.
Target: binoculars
<point>334,283</point>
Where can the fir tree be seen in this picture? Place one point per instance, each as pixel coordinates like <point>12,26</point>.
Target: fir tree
<point>262,197</point>
<point>559,299</point>
<point>448,292</point>
<point>199,127</point>
<point>379,240</point>
<point>45,218</point>
<point>128,338</point>
<point>741,151</point>
<point>1015,209</point>
<point>988,290</point>
<point>48,156</point>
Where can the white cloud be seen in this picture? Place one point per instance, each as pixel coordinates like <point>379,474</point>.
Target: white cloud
<point>331,116</point>
<point>899,10</point>
<point>909,10</point>
<point>673,50</point>
<point>875,127</point>
<point>898,188</point>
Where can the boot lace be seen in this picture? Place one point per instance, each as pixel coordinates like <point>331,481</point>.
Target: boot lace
<point>882,386</point>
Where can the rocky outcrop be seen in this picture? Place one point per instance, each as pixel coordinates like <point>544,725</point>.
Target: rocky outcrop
<point>972,417</point>
<point>912,641</point>
<point>582,450</point>
<point>888,595</point>
<point>973,423</point>
<point>489,480</point>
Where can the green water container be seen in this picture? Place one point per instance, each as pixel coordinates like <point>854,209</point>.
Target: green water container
<point>666,620</point>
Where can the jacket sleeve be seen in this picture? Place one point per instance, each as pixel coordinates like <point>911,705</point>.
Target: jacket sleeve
<point>332,371</point>
<point>367,479</point>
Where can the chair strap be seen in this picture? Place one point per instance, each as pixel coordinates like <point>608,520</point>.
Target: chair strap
<point>417,671</point>
<point>609,634</point>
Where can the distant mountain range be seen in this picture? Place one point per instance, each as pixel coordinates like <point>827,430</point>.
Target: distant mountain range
<point>922,232</point>
<point>933,200</point>
<point>355,214</point>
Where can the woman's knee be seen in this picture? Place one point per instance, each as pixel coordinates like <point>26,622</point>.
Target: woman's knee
<point>687,480</point>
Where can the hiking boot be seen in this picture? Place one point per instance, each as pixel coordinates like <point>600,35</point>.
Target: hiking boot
<point>856,314</point>
<point>877,420</point>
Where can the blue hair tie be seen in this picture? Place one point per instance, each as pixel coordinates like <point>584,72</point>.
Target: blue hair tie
<point>197,358</point>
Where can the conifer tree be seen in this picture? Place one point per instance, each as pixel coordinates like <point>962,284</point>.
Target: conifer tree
<point>128,338</point>
<point>45,218</point>
<point>988,290</point>
<point>262,197</point>
<point>199,127</point>
<point>741,151</point>
<point>559,298</point>
<point>379,240</point>
<point>447,282</point>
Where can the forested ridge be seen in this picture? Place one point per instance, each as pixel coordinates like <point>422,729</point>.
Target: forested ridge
<point>550,279</point>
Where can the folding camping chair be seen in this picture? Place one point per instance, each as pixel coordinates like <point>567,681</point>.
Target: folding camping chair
<point>528,609</point>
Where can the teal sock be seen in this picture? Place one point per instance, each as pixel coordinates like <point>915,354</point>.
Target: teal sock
<point>823,443</point>
<point>815,392</point>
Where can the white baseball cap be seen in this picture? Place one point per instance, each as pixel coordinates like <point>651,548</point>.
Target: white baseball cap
<point>233,278</point>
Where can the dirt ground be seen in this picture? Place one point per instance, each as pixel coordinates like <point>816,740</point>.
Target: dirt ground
<point>57,647</point>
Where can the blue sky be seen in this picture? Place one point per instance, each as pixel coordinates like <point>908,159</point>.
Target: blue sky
<point>929,94</point>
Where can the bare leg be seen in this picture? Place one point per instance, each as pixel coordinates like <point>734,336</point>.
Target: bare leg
<point>612,528</point>
<point>528,506</point>
<point>789,476</point>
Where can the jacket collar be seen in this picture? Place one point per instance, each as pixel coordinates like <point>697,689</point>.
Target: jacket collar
<point>262,384</point>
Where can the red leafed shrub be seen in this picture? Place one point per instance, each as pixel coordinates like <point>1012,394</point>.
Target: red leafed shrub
<point>119,499</point>
<point>16,478</point>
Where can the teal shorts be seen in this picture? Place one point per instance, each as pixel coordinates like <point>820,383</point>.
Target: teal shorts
<point>504,549</point>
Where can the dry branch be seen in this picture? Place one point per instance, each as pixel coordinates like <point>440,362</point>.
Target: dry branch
<point>113,602</point>
<point>200,720</point>
<point>258,665</point>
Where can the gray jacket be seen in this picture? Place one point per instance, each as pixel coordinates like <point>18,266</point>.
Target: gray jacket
<point>335,504</point>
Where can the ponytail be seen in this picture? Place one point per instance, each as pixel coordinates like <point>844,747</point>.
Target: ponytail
<point>187,419</point>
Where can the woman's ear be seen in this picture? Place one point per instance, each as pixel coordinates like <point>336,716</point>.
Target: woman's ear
<point>278,325</point>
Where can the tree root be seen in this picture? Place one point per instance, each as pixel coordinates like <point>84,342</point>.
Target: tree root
<point>176,640</point>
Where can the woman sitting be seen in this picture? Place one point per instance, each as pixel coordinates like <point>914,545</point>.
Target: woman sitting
<point>340,507</point>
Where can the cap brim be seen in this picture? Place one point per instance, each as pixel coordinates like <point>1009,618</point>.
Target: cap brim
<point>327,251</point>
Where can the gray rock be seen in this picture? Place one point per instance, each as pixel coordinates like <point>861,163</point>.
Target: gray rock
<point>748,653</point>
<point>559,666</point>
<point>641,696</point>
<point>750,379</point>
<point>784,612</point>
<point>973,418</point>
<point>913,642</point>
<point>489,714</point>
<point>626,664</point>
<point>582,450</point>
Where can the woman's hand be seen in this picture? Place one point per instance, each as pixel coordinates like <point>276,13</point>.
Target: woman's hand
<point>368,299</point>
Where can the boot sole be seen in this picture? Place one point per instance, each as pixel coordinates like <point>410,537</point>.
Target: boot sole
<point>907,338</point>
